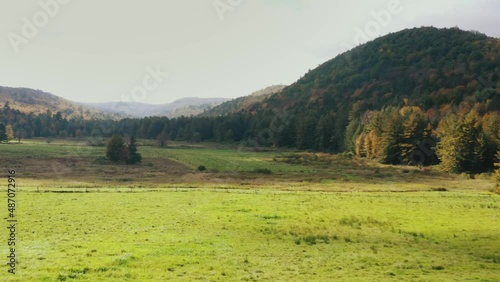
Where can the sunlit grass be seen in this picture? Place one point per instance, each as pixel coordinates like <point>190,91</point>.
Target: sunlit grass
<point>243,235</point>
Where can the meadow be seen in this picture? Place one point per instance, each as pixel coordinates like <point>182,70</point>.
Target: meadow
<point>316,217</point>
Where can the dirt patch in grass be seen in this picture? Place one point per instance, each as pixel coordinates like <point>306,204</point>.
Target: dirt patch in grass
<point>85,169</point>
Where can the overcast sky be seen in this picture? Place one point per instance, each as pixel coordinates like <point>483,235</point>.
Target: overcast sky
<point>119,50</point>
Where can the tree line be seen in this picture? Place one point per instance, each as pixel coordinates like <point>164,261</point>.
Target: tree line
<point>464,138</point>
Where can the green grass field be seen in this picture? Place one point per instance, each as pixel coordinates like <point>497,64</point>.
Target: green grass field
<point>315,218</point>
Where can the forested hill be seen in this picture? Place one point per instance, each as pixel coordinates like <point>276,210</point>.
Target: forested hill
<point>386,98</point>
<point>37,102</point>
<point>427,66</point>
<point>243,104</point>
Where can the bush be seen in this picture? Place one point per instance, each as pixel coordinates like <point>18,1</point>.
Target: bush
<point>263,171</point>
<point>202,168</point>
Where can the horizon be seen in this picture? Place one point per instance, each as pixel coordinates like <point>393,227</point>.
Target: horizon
<point>157,53</point>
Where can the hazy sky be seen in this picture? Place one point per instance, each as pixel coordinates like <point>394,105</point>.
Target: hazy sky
<point>113,50</point>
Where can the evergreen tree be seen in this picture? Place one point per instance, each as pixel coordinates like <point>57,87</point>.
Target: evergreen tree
<point>196,137</point>
<point>116,150</point>
<point>162,138</point>
<point>133,157</point>
<point>414,131</point>
<point>491,130</point>
<point>305,132</point>
<point>391,129</point>
<point>352,132</point>
<point>3,133</point>
<point>463,145</point>
<point>229,136</point>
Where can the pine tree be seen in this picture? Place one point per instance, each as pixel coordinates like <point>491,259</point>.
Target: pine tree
<point>352,132</point>
<point>305,132</point>
<point>196,137</point>
<point>162,138</point>
<point>133,157</point>
<point>415,129</point>
<point>116,150</point>
<point>473,144</point>
<point>491,130</point>
<point>463,145</point>
<point>324,132</point>
<point>229,136</point>
<point>3,133</point>
<point>391,130</point>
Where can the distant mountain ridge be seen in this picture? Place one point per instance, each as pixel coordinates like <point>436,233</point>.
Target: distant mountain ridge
<point>28,100</point>
<point>190,106</point>
<point>34,101</point>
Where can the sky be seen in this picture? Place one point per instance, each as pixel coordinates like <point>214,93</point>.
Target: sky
<point>158,51</point>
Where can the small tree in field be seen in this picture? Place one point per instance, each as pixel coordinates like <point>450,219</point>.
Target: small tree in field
<point>133,157</point>
<point>116,150</point>
<point>162,138</point>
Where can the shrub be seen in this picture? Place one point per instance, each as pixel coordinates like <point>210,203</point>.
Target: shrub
<point>202,168</point>
<point>263,171</point>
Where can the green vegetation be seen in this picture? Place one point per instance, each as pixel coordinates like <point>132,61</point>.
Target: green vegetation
<point>133,157</point>
<point>242,104</point>
<point>117,151</point>
<point>201,235</point>
<point>313,219</point>
<point>232,198</point>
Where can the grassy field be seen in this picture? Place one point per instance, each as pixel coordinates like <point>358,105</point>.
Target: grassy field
<point>315,218</point>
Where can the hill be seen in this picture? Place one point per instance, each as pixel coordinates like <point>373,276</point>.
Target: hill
<point>436,70</point>
<point>27,101</point>
<point>243,104</point>
<point>427,66</point>
<point>182,107</point>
